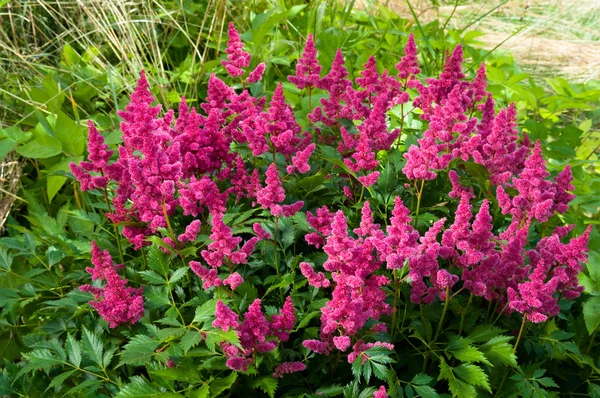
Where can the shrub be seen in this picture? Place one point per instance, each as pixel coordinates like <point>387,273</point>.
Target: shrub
<point>257,200</point>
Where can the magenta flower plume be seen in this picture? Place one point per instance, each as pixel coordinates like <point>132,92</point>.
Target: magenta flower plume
<point>191,231</point>
<point>225,318</point>
<point>308,70</point>
<point>315,279</point>
<point>256,74</point>
<point>381,393</point>
<point>273,193</point>
<point>237,58</point>
<point>300,160</point>
<point>288,367</point>
<point>98,158</point>
<point>116,302</point>
<point>409,64</point>
<point>283,323</point>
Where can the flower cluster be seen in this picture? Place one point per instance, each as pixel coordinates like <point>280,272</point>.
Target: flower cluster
<point>256,334</point>
<point>116,302</point>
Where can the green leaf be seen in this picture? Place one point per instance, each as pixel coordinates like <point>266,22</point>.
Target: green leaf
<point>331,391</point>
<point>92,345</point>
<point>457,387</point>
<point>421,379</point>
<point>267,384</point>
<point>178,274</point>
<point>202,392</point>
<point>42,358</point>
<point>42,147</point>
<point>591,314</point>
<point>547,382</point>
<point>499,351</point>
<point>206,312</point>
<point>190,340</point>
<point>92,384</point>
<point>60,379</point>
<point>73,350</point>
<point>70,135</point>
<point>139,350</point>
<point>425,391</point>
<point>473,374</point>
<point>6,145</point>
<point>217,336</point>
<point>152,277</point>
<point>219,385</point>
<point>461,349</point>
<point>139,388</point>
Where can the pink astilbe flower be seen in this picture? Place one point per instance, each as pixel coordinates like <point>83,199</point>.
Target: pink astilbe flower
<point>98,157</point>
<point>308,70</point>
<point>369,179</point>
<point>260,231</point>
<point>342,343</point>
<point>402,239</point>
<point>457,187</point>
<point>357,295</point>
<point>273,193</point>
<point>300,160</point>
<point>340,94</point>
<point>254,328</point>
<point>283,323</point>
<point>209,276</point>
<point>223,244</point>
<point>237,58</point>
<point>191,231</point>
<point>225,318</point>
<point>555,268</point>
<point>499,150</point>
<point>321,222</point>
<point>233,281</point>
<point>537,197</point>
<point>381,393</point>
<point>256,74</point>
<point>288,367</point>
<point>282,127</point>
<point>408,67</point>
<point>116,302</point>
<point>315,279</point>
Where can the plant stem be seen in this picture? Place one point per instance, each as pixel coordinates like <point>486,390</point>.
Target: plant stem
<point>592,338</point>
<point>439,328</point>
<point>462,316</point>
<point>394,308</point>
<point>520,334</point>
<point>275,245</point>
<point>419,194</point>
<point>114,226</point>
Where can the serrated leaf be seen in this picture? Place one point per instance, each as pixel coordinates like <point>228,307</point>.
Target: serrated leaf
<point>73,350</point>
<point>539,373</point>
<point>267,384</point>
<point>473,374</point>
<point>190,340</point>
<point>93,384</point>
<point>546,382</point>
<point>331,391</point>
<point>92,345</point>
<point>425,391</point>
<point>139,350</point>
<point>178,274</point>
<point>42,358</point>
<point>484,333</point>
<point>500,351</point>
<point>421,379</point>
<point>152,277</point>
<point>206,312</point>
<point>60,379</point>
<point>219,385</point>
<point>458,388</point>
<point>217,336</point>
<point>202,392</point>
<point>139,388</point>
<point>469,354</point>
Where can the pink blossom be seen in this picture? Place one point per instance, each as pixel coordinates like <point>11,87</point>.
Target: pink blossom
<point>308,69</point>
<point>191,231</point>
<point>225,318</point>
<point>288,367</point>
<point>237,58</point>
<point>341,342</point>
<point>116,303</point>
<point>233,281</point>
<point>315,279</point>
<point>381,393</point>
<point>256,74</point>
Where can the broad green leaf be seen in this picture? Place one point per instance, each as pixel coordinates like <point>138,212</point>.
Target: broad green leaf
<point>42,147</point>
<point>152,277</point>
<point>421,379</point>
<point>202,392</point>
<point>6,145</point>
<point>60,379</point>
<point>591,314</point>
<point>70,135</point>
<point>92,384</point>
<point>139,388</point>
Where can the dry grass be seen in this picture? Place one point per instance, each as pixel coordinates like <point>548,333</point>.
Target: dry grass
<point>549,37</point>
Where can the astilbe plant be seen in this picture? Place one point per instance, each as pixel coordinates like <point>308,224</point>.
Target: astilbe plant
<point>174,180</point>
